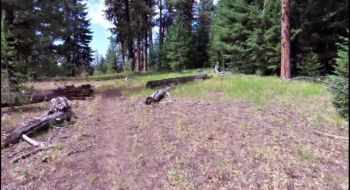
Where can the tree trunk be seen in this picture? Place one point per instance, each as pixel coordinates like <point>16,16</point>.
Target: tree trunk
<point>285,41</point>
<point>264,7</point>
<point>130,36</point>
<point>123,56</point>
<point>178,80</point>
<point>161,24</point>
<point>70,92</point>
<point>138,52</point>
<point>150,29</point>
<point>145,46</point>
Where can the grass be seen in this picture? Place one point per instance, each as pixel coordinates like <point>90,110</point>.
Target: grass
<point>303,153</point>
<point>248,87</point>
<point>254,134</point>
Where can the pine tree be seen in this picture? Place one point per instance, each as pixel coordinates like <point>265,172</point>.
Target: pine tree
<point>9,82</point>
<point>77,36</point>
<point>111,57</point>
<point>177,46</point>
<point>310,66</point>
<point>234,23</point>
<point>101,67</point>
<point>340,91</point>
<point>203,27</point>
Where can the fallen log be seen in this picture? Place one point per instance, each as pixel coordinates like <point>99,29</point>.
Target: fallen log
<point>177,80</point>
<point>36,125</point>
<point>158,95</point>
<point>71,92</point>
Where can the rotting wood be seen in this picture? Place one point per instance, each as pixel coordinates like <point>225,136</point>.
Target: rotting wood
<point>36,125</point>
<point>71,92</point>
<point>332,136</point>
<point>177,80</point>
<point>158,95</point>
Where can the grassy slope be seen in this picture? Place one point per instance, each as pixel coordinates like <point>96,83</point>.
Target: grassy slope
<point>305,98</point>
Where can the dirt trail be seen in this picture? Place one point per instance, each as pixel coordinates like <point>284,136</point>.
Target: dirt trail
<point>114,136</point>
<point>186,145</point>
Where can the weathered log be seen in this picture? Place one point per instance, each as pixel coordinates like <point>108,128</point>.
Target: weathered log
<point>71,92</point>
<point>158,95</point>
<point>36,125</point>
<point>177,80</point>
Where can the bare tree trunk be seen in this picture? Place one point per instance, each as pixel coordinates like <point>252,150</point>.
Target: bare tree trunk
<point>161,24</point>
<point>123,56</point>
<point>265,1</point>
<point>150,29</point>
<point>138,53</point>
<point>145,54</point>
<point>130,36</point>
<point>285,41</point>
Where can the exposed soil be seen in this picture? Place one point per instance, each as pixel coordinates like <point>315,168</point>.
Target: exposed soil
<point>120,143</point>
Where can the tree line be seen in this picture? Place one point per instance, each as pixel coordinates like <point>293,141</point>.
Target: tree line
<point>51,38</point>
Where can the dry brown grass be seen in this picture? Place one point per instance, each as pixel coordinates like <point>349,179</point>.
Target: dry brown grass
<point>228,143</point>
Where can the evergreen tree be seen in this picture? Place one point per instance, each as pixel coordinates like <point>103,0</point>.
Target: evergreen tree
<point>233,25</point>
<point>246,36</point>
<point>101,67</point>
<point>340,91</point>
<point>111,56</point>
<point>310,66</point>
<point>9,82</point>
<point>77,36</point>
<point>203,27</point>
<point>177,46</point>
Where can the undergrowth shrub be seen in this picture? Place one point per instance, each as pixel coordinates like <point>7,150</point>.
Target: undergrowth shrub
<point>340,91</point>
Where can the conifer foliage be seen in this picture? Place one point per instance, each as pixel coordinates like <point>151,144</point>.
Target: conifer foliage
<point>9,81</point>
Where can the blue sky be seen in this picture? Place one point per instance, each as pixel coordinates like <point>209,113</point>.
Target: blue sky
<point>99,26</point>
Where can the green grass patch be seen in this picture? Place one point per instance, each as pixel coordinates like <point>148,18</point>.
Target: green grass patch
<point>303,153</point>
<point>250,88</point>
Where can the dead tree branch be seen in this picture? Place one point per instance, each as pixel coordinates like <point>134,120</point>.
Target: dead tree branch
<point>26,155</point>
<point>330,135</point>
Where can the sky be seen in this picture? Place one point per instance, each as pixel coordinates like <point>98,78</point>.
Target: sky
<point>99,26</point>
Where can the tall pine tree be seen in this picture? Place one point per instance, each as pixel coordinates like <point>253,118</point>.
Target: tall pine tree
<point>177,46</point>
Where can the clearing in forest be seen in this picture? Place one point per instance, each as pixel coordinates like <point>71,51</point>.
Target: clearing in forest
<point>231,132</point>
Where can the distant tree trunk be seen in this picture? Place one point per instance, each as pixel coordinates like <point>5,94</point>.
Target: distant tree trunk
<point>265,1</point>
<point>130,36</point>
<point>73,72</point>
<point>145,53</point>
<point>123,56</point>
<point>161,23</point>
<point>138,52</point>
<point>285,41</point>
<point>150,30</point>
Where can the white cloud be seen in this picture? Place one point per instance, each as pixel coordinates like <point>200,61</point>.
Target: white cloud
<point>95,13</point>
